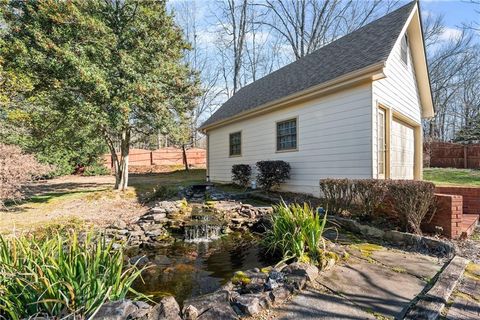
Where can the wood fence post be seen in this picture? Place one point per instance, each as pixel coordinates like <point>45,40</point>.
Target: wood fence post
<point>465,157</point>
<point>151,157</point>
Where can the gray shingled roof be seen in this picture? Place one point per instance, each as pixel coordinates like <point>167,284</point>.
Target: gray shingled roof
<point>368,45</point>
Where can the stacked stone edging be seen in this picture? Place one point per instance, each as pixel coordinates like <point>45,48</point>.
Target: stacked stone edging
<point>152,229</point>
<point>247,294</point>
<point>419,243</point>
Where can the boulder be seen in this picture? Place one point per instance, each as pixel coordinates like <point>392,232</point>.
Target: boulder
<point>280,295</point>
<point>142,311</point>
<point>215,306</point>
<point>248,304</point>
<point>302,269</point>
<point>190,313</point>
<point>166,309</point>
<point>119,224</point>
<point>297,282</point>
<point>117,310</point>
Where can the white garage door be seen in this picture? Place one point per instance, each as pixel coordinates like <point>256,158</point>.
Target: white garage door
<point>402,154</point>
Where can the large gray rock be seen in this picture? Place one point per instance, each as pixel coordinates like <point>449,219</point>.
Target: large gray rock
<point>302,269</point>
<point>190,313</point>
<point>249,304</point>
<point>166,309</point>
<point>117,310</point>
<point>142,311</point>
<point>214,306</point>
<point>280,295</point>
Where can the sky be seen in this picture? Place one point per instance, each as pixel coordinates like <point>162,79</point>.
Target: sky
<point>455,12</point>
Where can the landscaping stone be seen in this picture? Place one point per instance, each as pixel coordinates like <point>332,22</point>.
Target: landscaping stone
<point>431,304</point>
<point>298,282</point>
<point>190,313</point>
<point>302,269</point>
<point>372,286</point>
<point>166,309</point>
<point>117,310</point>
<point>142,310</point>
<point>415,242</point>
<point>280,295</point>
<point>316,304</point>
<point>420,265</point>
<point>248,304</point>
<point>215,305</point>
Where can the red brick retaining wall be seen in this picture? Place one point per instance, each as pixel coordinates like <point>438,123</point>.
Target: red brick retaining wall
<point>471,197</point>
<point>448,216</point>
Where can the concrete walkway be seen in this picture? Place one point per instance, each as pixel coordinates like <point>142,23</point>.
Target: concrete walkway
<point>465,303</point>
<point>372,283</point>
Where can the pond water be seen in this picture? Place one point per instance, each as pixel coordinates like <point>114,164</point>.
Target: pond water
<point>186,269</point>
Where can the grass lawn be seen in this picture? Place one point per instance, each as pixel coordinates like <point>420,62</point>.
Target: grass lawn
<point>450,176</point>
<point>87,201</point>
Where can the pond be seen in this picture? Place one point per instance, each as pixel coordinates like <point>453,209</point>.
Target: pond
<point>188,269</point>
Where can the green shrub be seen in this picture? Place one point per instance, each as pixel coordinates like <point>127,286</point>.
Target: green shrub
<point>241,174</point>
<point>96,169</point>
<point>412,202</point>
<point>370,193</point>
<point>272,173</point>
<point>296,232</point>
<point>61,276</point>
<point>338,194</point>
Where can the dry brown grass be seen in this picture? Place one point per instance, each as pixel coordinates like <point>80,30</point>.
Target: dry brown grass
<point>87,200</point>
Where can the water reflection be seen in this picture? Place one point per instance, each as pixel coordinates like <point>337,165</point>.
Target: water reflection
<point>190,269</point>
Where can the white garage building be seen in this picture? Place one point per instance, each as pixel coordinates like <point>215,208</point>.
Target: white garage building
<point>351,109</point>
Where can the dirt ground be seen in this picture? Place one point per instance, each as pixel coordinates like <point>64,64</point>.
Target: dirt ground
<point>87,200</point>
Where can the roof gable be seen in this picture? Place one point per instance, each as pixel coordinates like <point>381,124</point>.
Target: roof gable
<point>365,47</point>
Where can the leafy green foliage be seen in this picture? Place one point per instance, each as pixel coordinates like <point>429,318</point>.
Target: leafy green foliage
<point>61,275</point>
<point>272,173</point>
<point>296,232</point>
<point>241,174</point>
<point>96,169</point>
<point>110,68</point>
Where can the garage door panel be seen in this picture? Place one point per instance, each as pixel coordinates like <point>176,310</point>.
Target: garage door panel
<point>402,150</point>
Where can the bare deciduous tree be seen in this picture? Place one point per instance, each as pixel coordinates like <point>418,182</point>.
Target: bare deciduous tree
<point>307,25</point>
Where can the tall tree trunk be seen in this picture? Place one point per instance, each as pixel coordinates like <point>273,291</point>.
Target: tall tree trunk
<point>121,166</point>
<point>185,161</point>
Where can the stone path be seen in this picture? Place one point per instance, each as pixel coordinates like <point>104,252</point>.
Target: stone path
<point>465,304</point>
<point>372,283</point>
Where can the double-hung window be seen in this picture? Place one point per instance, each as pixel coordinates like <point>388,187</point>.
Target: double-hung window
<point>235,144</point>
<point>287,135</point>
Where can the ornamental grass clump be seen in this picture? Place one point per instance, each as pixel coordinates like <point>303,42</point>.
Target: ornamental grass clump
<point>297,232</point>
<point>61,276</point>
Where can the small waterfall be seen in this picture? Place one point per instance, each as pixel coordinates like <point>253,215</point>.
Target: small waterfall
<point>203,227</point>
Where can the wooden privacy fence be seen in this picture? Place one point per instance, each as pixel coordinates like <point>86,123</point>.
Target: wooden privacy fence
<point>452,155</point>
<point>170,156</point>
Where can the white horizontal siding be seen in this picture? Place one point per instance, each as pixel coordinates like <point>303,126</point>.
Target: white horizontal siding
<point>334,140</point>
<point>398,91</point>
